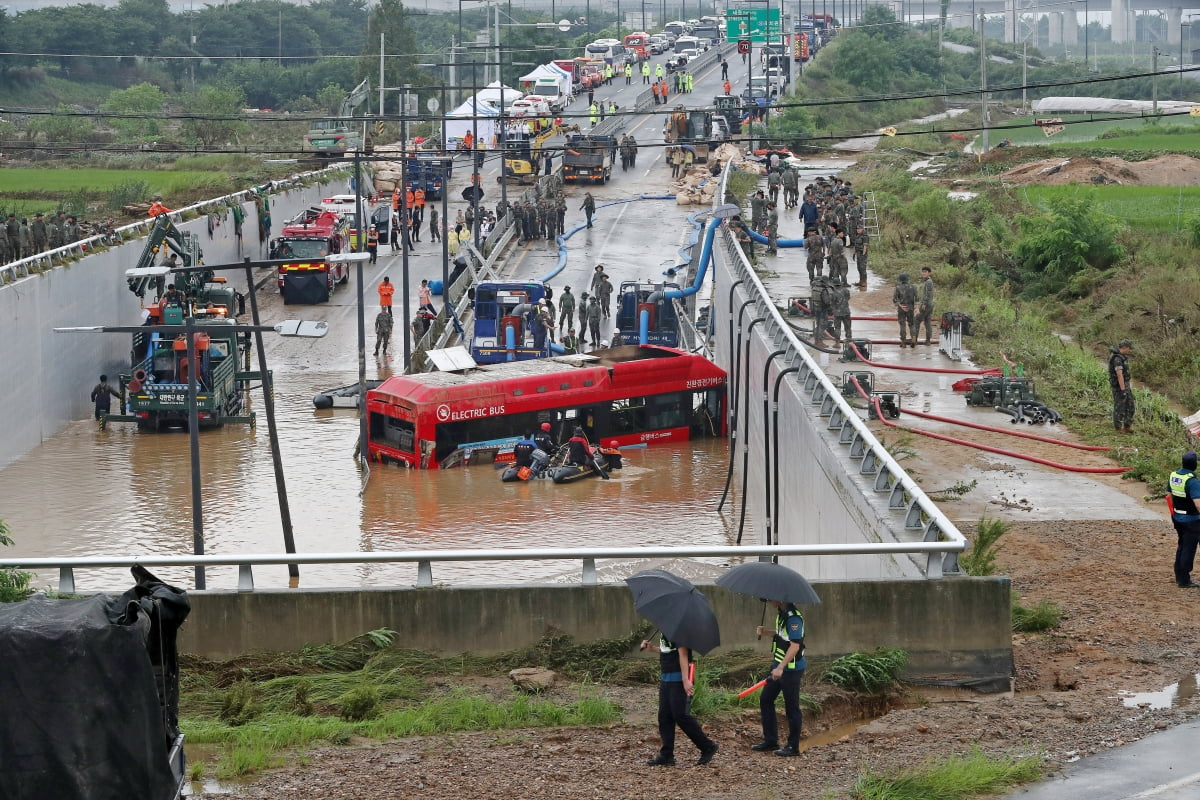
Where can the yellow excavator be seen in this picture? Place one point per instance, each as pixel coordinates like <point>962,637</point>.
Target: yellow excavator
<point>523,152</point>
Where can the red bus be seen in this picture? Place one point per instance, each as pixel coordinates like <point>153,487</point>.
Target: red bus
<point>639,43</point>
<point>633,394</point>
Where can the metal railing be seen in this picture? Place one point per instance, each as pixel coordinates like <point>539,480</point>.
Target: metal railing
<point>866,454</point>
<point>60,256</point>
<point>425,559</point>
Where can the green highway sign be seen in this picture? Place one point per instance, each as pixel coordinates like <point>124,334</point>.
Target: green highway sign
<point>755,24</point>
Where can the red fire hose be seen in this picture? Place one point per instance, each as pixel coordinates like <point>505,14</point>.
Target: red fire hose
<point>1009,431</point>
<point>998,450</point>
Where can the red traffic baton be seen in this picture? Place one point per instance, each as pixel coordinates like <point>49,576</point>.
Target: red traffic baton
<point>752,689</point>
<point>692,672</point>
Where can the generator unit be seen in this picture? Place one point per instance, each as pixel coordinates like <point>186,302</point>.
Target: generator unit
<point>799,307</point>
<point>863,346</point>
<point>865,379</point>
<point>998,390</point>
<point>889,404</point>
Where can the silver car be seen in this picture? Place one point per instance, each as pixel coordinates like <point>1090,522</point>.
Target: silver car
<point>658,44</point>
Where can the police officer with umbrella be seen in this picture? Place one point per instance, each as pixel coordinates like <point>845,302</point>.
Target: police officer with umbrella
<point>686,622</point>
<point>784,589</point>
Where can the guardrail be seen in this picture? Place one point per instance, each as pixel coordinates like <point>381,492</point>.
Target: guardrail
<point>59,256</point>
<point>866,454</point>
<point>424,559</point>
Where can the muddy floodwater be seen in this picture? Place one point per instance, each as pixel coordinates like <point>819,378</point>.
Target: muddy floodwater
<point>121,492</point>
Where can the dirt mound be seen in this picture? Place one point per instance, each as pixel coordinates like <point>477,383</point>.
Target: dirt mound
<point>1167,170</point>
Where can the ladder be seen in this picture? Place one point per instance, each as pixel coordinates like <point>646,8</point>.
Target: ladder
<point>870,215</point>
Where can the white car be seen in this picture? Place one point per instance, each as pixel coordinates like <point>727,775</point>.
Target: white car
<point>659,44</point>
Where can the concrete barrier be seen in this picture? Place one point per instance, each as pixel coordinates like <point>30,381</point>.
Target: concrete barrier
<point>953,629</point>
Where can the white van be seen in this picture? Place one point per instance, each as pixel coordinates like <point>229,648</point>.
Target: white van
<point>689,46</point>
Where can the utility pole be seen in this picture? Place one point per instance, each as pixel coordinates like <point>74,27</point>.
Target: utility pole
<point>983,144</point>
<point>1154,79</point>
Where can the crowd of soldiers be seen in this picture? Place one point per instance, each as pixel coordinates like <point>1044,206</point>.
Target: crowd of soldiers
<point>834,226</point>
<point>544,218</point>
<point>628,148</point>
<point>23,238</point>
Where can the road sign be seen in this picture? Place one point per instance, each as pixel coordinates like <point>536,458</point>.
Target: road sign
<point>756,24</point>
<point>743,45</point>
<point>432,104</point>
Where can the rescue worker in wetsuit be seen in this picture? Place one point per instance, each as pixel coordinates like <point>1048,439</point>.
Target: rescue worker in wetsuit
<point>1185,488</point>
<point>544,441</point>
<point>787,671</point>
<point>523,451</point>
<point>579,451</point>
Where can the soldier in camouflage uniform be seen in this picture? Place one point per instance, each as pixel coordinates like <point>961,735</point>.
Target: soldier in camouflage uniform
<point>71,231</point>
<point>560,210</point>
<point>838,266</point>
<point>772,229</point>
<point>815,246</point>
<point>790,188</point>
<point>758,210</point>
<point>860,242</point>
<point>774,181</point>
<point>841,310</point>
<point>583,306</point>
<point>925,306</point>
<point>40,235</point>
<point>1122,387</point>
<point>25,239</point>
<point>822,304</point>
<point>904,297</point>
<point>12,233</point>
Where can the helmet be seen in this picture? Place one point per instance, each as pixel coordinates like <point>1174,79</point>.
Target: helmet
<point>546,427</point>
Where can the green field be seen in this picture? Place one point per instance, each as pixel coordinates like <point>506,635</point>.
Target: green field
<point>1087,133</point>
<point>1157,209</point>
<point>19,181</point>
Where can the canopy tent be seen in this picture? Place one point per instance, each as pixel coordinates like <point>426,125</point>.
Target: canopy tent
<point>560,75</point>
<point>459,122</point>
<point>496,93</point>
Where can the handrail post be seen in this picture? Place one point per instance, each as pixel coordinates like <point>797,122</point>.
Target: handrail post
<point>66,580</point>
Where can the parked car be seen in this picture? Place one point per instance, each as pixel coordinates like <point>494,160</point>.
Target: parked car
<point>768,85</point>
<point>778,78</point>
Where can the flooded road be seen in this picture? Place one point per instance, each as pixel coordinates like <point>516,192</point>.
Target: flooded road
<point>120,492</point>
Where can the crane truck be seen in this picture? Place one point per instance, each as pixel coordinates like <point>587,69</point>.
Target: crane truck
<point>156,387</point>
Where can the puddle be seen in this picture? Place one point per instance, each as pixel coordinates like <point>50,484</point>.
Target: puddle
<point>822,738</point>
<point>207,755</point>
<point>1167,697</point>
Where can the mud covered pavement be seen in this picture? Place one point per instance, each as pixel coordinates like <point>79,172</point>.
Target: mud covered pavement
<point>1126,628</point>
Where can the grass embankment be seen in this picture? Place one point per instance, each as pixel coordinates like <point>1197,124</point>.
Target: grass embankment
<point>256,708</point>
<point>1151,296</point>
<point>954,778</point>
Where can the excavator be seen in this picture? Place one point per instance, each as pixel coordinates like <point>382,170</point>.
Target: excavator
<point>523,152</point>
<point>334,138</point>
<point>696,128</point>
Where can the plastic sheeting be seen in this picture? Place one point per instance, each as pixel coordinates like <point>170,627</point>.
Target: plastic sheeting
<point>90,692</point>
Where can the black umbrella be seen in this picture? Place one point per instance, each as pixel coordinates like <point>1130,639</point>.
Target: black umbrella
<point>769,581</point>
<point>676,607</point>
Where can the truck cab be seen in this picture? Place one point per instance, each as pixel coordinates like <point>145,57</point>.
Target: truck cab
<point>306,243</point>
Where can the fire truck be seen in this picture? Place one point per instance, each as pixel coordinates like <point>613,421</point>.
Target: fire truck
<point>306,243</point>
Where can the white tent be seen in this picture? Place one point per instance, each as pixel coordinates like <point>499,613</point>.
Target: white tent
<point>459,122</point>
<point>549,71</point>
<point>496,93</point>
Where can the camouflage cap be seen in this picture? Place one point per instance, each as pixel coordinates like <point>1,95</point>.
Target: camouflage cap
<point>1125,343</point>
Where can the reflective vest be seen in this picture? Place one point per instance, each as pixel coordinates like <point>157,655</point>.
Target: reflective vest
<point>1177,483</point>
<point>628,70</point>
<point>781,642</point>
<point>658,70</point>
<point>408,199</point>
<point>645,67</point>
<point>419,198</point>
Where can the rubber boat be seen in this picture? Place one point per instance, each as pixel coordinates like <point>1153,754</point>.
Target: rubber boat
<point>342,397</point>
<point>569,473</point>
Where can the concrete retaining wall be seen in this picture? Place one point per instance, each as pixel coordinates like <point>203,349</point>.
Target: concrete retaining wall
<point>951,628</point>
<point>49,375</point>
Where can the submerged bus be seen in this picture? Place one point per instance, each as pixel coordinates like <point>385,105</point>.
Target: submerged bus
<point>633,394</point>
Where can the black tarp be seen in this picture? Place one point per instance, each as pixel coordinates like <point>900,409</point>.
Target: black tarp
<point>90,695</point>
<point>305,288</point>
